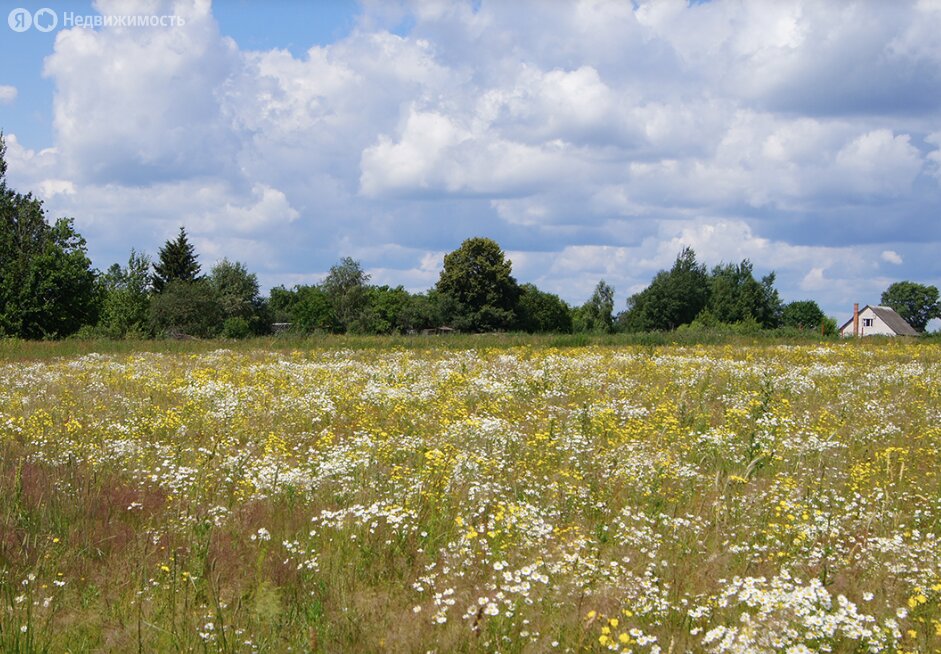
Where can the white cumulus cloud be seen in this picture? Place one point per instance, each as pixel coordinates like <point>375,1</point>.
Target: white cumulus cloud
<point>590,138</point>
<point>891,256</point>
<point>7,94</point>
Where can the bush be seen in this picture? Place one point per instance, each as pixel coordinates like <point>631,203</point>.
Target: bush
<point>236,327</point>
<point>186,309</point>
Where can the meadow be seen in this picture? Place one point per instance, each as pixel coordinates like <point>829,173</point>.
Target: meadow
<point>523,496</point>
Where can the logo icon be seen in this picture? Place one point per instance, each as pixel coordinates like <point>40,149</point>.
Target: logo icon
<point>20,20</point>
<point>45,19</point>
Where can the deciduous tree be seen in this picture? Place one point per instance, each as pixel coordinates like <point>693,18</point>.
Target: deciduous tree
<point>345,288</point>
<point>538,311</point>
<point>917,303</point>
<point>47,286</point>
<point>803,314</point>
<point>477,278</point>
<point>675,297</point>
<point>597,314</point>
<point>126,297</point>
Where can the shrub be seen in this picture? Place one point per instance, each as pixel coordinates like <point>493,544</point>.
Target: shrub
<point>236,327</point>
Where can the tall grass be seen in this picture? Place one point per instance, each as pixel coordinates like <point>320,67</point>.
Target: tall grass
<point>17,349</point>
<point>470,494</point>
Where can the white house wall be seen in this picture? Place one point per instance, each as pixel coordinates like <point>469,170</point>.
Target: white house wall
<point>878,328</point>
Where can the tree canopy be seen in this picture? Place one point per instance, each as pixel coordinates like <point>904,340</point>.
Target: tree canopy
<point>597,314</point>
<point>236,288</point>
<point>735,295</point>
<point>47,286</point>
<point>189,308</point>
<point>176,262</point>
<point>675,297</point>
<point>916,303</point>
<point>477,278</point>
<point>125,304</point>
<point>803,314</point>
<point>538,311</point>
<point>345,288</point>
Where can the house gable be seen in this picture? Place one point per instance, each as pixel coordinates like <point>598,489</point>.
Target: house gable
<point>879,321</point>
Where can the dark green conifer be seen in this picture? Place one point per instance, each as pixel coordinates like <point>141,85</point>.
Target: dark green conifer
<point>176,262</point>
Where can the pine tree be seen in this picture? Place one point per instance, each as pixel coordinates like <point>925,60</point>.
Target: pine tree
<point>177,262</point>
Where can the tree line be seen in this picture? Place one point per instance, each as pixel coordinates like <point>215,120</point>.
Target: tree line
<point>48,289</point>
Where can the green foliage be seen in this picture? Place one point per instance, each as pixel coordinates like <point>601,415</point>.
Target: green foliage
<point>312,311</point>
<point>47,286</point>
<point>186,309</point>
<point>803,314</point>
<point>237,292</point>
<point>345,288</point>
<point>382,309</point>
<point>597,314</point>
<point>538,311</point>
<point>729,295</point>
<point>424,311</point>
<point>675,297</point>
<point>735,295</point>
<point>477,281</point>
<point>916,303</point>
<point>236,288</point>
<point>706,323</point>
<point>281,303</point>
<point>176,262</point>
<point>236,327</point>
<point>126,303</point>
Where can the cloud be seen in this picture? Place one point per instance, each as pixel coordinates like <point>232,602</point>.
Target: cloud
<point>137,105</point>
<point>934,156</point>
<point>879,162</point>
<point>814,280</point>
<point>591,138</point>
<point>49,188</point>
<point>7,94</point>
<point>891,256</point>
<point>436,154</point>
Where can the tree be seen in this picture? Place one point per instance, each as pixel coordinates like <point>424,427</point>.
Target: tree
<point>237,292</point>
<point>803,314</point>
<point>236,288</point>
<point>189,308</point>
<point>126,301</point>
<point>281,302</point>
<point>425,311</point>
<point>47,286</point>
<point>675,297</point>
<point>735,295</point>
<point>538,311</point>
<point>176,262</point>
<point>478,279</point>
<point>345,287</point>
<point>312,311</point>
<point>916,303</point>
<point>382,310</point>
<point>596,315</point>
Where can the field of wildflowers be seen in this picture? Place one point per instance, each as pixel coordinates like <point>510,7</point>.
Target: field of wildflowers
<point>767,498</point>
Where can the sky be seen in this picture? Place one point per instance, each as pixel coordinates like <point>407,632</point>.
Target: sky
<point>592,139</point>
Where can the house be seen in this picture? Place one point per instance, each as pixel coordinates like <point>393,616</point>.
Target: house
<point>437,330</point>
<point>876,321</point>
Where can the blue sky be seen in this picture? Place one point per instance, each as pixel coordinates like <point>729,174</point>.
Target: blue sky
<point>591,138</point>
